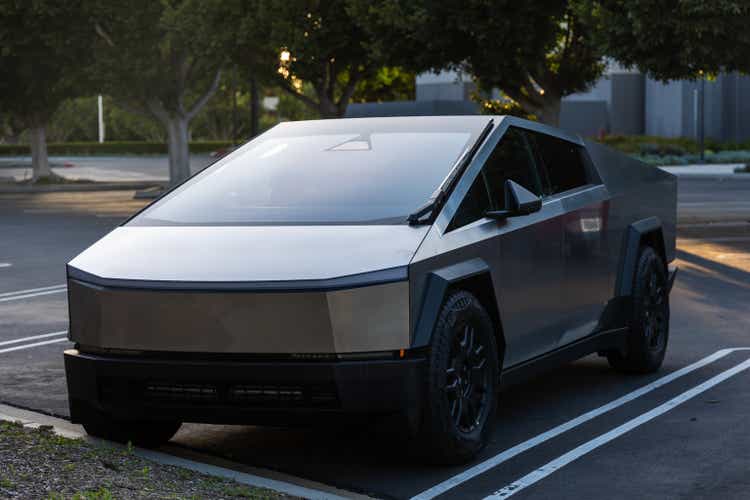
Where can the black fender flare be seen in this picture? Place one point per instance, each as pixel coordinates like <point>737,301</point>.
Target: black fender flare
<point>436,288</point>
<point>649,229</point>
<point>617,310</point>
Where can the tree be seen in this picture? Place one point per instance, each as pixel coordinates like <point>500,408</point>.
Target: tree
<point>386,84</point>
<point>44,51</point>
<point>317,51</point>
<point>536,52</point>
<point>675,39</point>
<point>159,59</point>
<point>571,62</point>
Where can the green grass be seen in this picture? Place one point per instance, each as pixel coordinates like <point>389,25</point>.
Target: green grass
<point>78,470</point>
<point>100,494</point>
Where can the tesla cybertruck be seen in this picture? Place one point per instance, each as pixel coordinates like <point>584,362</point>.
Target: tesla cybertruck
<point>372,266</point>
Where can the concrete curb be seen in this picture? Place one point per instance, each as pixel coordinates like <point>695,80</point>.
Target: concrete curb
<point>187,459</point>
<point>76,188</point>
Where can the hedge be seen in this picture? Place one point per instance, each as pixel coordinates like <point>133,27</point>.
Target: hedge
<point>110,148</point>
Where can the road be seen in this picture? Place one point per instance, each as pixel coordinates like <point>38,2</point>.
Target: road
<point>649,446</point>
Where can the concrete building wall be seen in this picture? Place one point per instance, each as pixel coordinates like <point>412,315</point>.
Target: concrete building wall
<point>627,104</point>
<point>663,108</point>
<point>584,117</point>
<point>600,91</point>
<point>621,102</point>
<point>444,86</point>
<point>623,95</point>
<point>673,109</point>
<point>735,107</point>
<point>412,108</point>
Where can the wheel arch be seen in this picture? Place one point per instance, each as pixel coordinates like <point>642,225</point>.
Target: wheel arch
<point>647,231</point>
<point>472,276</point>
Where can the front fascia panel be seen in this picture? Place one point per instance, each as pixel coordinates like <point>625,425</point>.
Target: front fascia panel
<point>364,319</point>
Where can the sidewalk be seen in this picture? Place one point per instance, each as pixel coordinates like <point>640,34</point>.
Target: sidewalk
<point>707,170</point>
<point>147,168</point>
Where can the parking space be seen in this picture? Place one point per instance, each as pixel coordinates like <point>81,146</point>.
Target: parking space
<point>555,437</point>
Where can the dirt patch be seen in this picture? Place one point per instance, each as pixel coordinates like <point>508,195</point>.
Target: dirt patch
<point>36,463</point>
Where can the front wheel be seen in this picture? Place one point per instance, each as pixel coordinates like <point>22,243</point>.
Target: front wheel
<point>649,322</point>
<point>148,434</point>
<point>462,382</point>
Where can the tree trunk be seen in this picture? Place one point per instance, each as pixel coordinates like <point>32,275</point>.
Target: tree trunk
<point>254,108</point>
<point>550,111</point>
<point>327,107</point>
<point>39,160</point>
<point>179,152</point>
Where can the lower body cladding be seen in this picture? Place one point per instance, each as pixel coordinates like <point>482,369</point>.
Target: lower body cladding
<point>236,391</point>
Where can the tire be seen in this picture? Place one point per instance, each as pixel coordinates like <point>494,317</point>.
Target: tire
<point>649,322</point>
<point>461,392</point>
<point>147,434</point>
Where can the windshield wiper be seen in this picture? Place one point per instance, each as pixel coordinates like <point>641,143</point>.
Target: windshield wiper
<point>433,205</point>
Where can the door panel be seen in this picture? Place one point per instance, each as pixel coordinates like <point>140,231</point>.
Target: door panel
<point>588,273</point>
<point>530,285</point>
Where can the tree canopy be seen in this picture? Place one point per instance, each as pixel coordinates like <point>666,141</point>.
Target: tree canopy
<point>320,51</point>
<point>535,52</point>
<point>45,47</point>
<point>160,59</point>
<point>674,39</point>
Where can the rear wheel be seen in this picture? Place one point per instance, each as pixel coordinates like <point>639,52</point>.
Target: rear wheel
<point>649,323</point>
<point>148,434</point>
<point>462,382</point>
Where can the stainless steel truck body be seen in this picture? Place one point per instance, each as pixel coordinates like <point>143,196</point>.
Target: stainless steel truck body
<point>372,266</point>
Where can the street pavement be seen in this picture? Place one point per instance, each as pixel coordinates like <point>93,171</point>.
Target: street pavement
<point>649,446</point>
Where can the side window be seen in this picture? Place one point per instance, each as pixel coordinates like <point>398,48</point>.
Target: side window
<point>563,163</point>
<point>473,206</point>
<point>511,159</point>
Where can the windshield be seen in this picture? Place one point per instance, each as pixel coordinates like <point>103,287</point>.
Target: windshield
<point>358,171</point>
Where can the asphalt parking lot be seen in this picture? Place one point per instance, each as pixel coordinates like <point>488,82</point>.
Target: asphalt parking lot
<point>577,432</point>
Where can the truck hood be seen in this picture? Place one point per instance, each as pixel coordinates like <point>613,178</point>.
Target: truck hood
<point>243,254</point>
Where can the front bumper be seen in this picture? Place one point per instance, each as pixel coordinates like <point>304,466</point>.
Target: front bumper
<point>236,391</point>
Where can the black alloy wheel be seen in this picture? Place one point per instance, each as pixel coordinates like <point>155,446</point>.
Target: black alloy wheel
<point>648,333</point>
<point>467,380</point>
<point>462,378</point>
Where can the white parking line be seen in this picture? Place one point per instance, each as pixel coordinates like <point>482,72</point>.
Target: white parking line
<point>5,264</point>
<point>595,443</point>
<point>33,337</point>
<point>35,344</point>
<point>506,455</point>
<point>32,292</point>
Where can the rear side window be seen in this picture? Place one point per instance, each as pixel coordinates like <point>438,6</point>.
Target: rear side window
<point>562,162</point>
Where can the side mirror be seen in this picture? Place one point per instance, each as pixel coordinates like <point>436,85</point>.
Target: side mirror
<point>518,200</point>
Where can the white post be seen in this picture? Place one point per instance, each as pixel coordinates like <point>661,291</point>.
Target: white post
<point>101,119</point>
